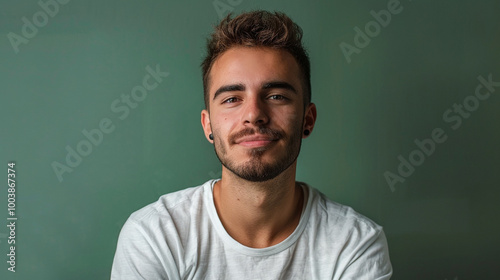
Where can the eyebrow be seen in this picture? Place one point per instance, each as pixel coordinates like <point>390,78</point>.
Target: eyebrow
<point>269,85</point>
<point>235,87</point>
<point>277,84</point>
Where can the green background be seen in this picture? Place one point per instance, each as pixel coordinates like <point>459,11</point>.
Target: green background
<point>442,222</point>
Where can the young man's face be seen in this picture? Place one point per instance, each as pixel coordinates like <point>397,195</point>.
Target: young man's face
<point>257,114</point>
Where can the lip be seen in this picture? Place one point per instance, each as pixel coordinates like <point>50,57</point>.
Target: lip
<point>255,141</point>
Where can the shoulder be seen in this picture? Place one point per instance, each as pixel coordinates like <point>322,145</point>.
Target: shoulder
<point>155,237</point>
<point>171,215</point>
<point>172,208</point>
<point>355,241</point>
<point>337,224</point>
<point>327,211</point>
<point>168,203</point>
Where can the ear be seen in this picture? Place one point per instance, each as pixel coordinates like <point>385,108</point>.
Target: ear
<point>205,123</point>
<point>309,119</point>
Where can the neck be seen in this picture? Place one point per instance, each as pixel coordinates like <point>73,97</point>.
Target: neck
<point>259,214</point>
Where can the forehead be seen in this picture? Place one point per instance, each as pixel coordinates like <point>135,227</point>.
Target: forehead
<point>253,66</point>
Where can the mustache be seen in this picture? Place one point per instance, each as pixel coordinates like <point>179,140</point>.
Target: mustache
<point>275,134</point>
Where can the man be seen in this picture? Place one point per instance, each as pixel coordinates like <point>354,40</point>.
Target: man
<point>256,222</point>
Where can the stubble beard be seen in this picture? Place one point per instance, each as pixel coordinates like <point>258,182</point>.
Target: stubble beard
<point>255,169</point>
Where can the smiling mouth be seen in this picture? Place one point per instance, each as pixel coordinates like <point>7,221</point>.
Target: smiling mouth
<point>256,143</point>
<point>261,138</point>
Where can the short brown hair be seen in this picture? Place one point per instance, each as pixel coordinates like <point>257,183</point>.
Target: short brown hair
<point>258,29</point>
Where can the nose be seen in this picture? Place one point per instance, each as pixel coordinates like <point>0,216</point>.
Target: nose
<point>255,112</point>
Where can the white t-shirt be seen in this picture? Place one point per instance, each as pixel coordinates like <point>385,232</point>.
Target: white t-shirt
<point>180,236</point>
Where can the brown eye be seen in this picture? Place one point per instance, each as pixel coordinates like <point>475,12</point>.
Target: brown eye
<point>277,97</point>
<point>230,100</point>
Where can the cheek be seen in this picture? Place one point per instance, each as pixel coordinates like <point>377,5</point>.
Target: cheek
<point>289,120</point>
<point>222,125</point>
